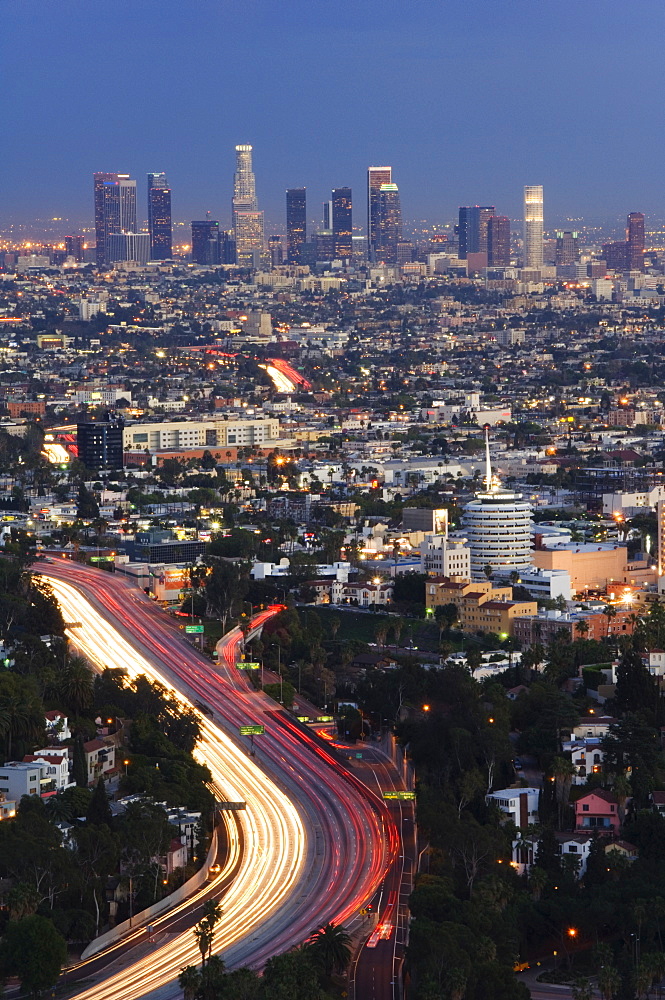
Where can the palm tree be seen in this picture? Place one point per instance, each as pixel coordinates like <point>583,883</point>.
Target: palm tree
<point>562,770</point>
<point>76,684</point>
<point>190,982</point>
<point>537,881</point>
<point>610,612</point>
<point>582,627</point>
<point>622,789</point>
<point>609,982</point>
<point>331,947</point>
<point>203,935</point>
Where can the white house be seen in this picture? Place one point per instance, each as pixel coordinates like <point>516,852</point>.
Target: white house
<point>99,758</point>
<point>57,766</point>
<point>57,725</point>
<point>18,778</point>
<point>586,756</point>
<point>519,804</point>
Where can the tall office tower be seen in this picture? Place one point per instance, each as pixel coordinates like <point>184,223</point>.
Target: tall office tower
<point>227,247</point>
<point>324,242</point>
<point>99,179</point>
<point>296,223</point>
<point>99,443</point>
<point>159,217</point>
<point>74,247</point>
<point>276,250</point>
<point>615,255</point>
<point>327,215</point>
<point>533,225</point>
<point>498,241</point>
<point>128,246</point>
<point>205,242</point>
<point>635,241</point>
<point>376,176</point>
<point>567,247</point>
<point>498,527</point>
<point>119,203</point>
<point>387,224</point>
<point>247,219</point>
<point>342,222</point>
<point>472,229</point>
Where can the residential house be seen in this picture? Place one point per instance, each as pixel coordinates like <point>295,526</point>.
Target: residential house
<point>624,848</point>
<point>369,594</point>
<point>597,810</point>
<point>658,802</point>
<point>57,725</point>
<point>7,807</point>
<point>576,845</point>
<point>586,756</point>
<point>99,759</point>
<point>57,766</point>
<point>519,804</point>
<point>593,725</point>
<point>19,778</point>
<point>176,857</point>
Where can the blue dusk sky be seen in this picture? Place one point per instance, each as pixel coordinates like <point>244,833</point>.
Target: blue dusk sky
<point>468,100</point>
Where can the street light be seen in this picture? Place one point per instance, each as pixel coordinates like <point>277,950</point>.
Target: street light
<point>425,708</point>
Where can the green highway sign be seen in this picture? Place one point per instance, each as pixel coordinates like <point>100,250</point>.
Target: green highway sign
<point>251,665</point>
<point>252,730</point>
<point>401,796</point>
<point>302,718</point>
<point>325,718</point>
<point>194,629</point>
<point>359,756</point>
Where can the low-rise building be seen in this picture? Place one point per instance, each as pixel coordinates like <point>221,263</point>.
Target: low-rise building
<point>99,759</point>
<point>597,810</point>
<point>518,804</point>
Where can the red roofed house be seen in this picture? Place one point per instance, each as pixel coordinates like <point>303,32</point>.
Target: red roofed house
<point>57,766</point>
<point>598,810</point>
<point>99,759</point>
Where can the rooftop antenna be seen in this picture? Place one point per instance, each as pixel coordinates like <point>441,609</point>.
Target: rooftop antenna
<point>488,465</point>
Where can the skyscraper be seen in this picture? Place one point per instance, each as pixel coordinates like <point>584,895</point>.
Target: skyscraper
<point>159,217</point>
<point>376,176</point>
<point>387,224</point>
<point>74,247</point>
<point>635,241</point>
<point>99,179</point>
<point>327,215</point>
<point>99,443</point>
<point>128,246</point>
<point>296,223</point>
<point>533,225</point>
<point>117,202</point>
<point>342,222</point>
<point>498,241</point>
<point>472,229</point>
<point>205,242</point>
<point>247,219</point>
<point>567,247</point>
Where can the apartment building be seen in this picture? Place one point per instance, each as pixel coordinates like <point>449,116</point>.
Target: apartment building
<point>165,435</point>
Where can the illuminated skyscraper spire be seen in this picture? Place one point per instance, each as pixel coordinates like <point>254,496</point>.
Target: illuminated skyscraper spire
<point>244,183</point>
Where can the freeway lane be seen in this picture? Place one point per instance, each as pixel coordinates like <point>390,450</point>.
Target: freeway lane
<point>315,849</point>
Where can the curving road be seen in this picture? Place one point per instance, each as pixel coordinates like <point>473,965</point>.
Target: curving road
<point>317,844</point>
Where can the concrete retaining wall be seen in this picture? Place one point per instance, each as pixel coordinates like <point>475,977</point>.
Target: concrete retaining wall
<point>115,934</point>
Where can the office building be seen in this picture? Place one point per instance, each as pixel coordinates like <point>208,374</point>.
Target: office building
<point>498,241</point>
<point>324,242</point>
<point>635,241</point>
<point>615,255</point>
<point>376,177</point>
<point>533,225</point>
<point>327,215</point>
<point>99,443</point>
<point>342,222</point>
<point>227,246</point>
<point>74,247</point>
<point>567,247</point>
<point>247,219</point>
<point>276,251</point>
<point>205,242</point>
<point>472,229</point>
<point>497,525</point>
<point>128,246</point>
<point>159,217</point>
<point>296,223</point>
<point>99,180</point>
<point>387,224</point>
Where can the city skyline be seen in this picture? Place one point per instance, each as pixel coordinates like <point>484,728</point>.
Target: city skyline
<point>440,150</point>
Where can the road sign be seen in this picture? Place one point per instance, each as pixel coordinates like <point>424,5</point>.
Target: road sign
<point>232,806</point>
<point>325,718</point>
<point>401,796</point>
<point>194,629</point>
<point>251,665</point>
<point>252,730</point>
<point>302,718</point>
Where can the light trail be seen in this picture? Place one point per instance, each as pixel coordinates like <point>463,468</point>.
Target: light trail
<point>274,834</point>
<point>351,839</point>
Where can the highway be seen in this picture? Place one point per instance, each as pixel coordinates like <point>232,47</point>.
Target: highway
<point>317,844</point>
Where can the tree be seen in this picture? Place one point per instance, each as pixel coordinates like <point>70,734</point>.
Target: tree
<point>76,685</point>
<point>99,812</point>
<point>33,950</point>
<point>87,508</point>
<point>331,948</point>
<point>636,689</point>
<point>610,612</point>
<point>563,771</point>
<point>291,975</point>
<point>203,935</point>
<point>582,627</point>
<point>190,982</point>
<point>582,989</point>
<point>79,764</point>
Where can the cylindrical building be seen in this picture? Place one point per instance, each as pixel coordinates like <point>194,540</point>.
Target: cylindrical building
<point>497,525</point>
